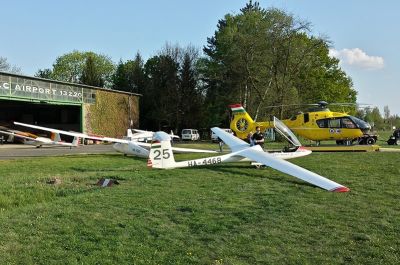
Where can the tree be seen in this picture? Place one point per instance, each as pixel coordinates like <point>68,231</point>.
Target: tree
<point>90,74</point>
<point>119,78</point>
<point>374,117</point>
<point>189,109</point>
<point>45,73</point>
<point>172,98</point>
<point>386,112</point>
<point>130,76</point>
<point>69,67</point>
<point>160,96</point>
<point>390,120</point>
<point>135,74</point>
<point>6,67</point>
<point>395,121</point>
<point>265,57</point>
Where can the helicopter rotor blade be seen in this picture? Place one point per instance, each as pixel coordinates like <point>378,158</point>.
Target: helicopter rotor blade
<point>289,105</point>
<point>349,104</point>
<point>321,104</point>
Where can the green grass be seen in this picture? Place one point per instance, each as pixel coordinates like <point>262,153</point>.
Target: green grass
<point>230,214</point>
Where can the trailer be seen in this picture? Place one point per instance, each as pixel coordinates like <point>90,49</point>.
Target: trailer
<point>367,139</point>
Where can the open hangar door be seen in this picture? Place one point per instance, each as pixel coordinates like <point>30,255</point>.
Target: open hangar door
<point>65,117</point>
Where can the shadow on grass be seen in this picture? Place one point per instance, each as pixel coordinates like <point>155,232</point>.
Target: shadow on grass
<point>233,170</point>
<point>65,192</point>
<point>90,170</point>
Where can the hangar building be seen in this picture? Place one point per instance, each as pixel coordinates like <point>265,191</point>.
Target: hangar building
<point>66,106</point>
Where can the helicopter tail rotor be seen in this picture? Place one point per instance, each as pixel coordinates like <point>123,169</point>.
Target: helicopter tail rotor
<point>242,124</point>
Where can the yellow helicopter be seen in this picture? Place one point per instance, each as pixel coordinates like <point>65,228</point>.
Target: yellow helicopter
<point>319,124</point>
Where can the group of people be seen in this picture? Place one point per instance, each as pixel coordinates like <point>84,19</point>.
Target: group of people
<point>257,138</point>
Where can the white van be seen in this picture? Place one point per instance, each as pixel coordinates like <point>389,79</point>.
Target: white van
<point>190,134</point>
<point>214,137</point>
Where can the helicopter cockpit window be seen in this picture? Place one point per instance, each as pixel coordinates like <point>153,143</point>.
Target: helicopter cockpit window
<point>347,123</point>
<point>360,123</point>
<point>334,123</point>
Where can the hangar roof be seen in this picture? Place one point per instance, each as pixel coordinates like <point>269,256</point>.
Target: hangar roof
<point>68,83</point>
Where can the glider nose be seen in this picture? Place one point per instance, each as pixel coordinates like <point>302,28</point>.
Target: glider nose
<point>341,189</point>
<point>304,150</point>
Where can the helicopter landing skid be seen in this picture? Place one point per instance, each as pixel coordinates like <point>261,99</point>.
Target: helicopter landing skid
<point>351,148</point>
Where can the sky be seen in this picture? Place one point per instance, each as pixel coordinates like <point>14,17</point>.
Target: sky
<point>364,34</point>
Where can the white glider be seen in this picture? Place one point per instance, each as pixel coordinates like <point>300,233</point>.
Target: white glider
<point>39,141</point>
<point>125,146</point>
<point>161,156</point>
<point>144,136</point>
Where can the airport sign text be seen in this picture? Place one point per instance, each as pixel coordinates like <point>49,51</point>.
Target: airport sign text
<point>54,93</point>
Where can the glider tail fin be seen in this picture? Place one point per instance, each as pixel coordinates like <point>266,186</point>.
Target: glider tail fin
<point>173,136</point>
<point>129,133</point>
<point>75,142</point>
<point>161,155</point>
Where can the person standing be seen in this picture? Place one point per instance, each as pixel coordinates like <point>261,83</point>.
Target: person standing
<point>258,137</point>
<point>220,144</point>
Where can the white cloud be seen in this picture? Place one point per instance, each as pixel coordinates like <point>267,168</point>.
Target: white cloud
<point>357,57</point>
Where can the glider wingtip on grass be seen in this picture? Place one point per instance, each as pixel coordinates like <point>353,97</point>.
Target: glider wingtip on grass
<point>341,189</point>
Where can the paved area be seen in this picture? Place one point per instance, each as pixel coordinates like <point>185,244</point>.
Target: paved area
<point>389,149</point>
<point>16,151</point>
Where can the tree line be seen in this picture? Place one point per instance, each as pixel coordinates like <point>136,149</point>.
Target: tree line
<point>258,57</point>
<point>5,66</point>
<point>377,121</point>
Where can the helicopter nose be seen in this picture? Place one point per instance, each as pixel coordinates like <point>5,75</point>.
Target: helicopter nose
<point>366,126</point>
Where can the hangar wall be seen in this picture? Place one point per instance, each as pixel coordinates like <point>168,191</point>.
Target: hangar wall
<point>111,114</point>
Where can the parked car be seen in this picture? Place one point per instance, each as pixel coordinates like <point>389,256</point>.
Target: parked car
<point>214,137</point>
<point>190,134</point>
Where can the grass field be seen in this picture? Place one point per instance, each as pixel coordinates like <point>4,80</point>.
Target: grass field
<point>230,214</point>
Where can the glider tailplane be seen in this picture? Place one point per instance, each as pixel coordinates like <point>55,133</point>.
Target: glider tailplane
<point>161,155</point>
